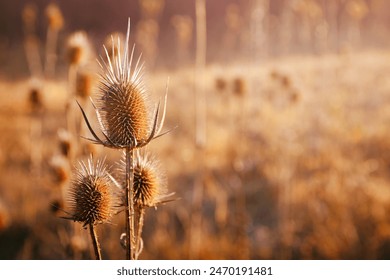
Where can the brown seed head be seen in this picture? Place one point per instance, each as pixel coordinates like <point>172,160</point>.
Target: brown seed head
<point>29,16</point>
<point>65,142</point>
<point>125,114</point>
<point>54,16</point>
<point>84,84</point>
<point>35,100</point>
<point>78,48</point>
<point>60,169</point>
<point>150,185</point>
<point>90,197</point>
<point>239,86</point>
<point>123,105</point>
<point>220,84</point>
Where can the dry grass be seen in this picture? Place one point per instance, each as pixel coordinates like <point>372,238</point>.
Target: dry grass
<point>297,167</point>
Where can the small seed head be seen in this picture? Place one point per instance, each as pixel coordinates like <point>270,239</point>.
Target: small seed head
<point>54,16</point>
<point>150,184</point>
<point>84,84</point>
<point>239,86</point>
<point>90,197</point>
<point>78,48</point>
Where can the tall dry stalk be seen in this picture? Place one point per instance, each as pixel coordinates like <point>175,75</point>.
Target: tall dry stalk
<point>200,128</point>
<point>31,42</point>
<point>56,23</point>
<point>200,65</point>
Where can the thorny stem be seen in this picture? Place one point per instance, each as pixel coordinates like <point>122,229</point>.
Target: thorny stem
<point>130,236</point>
<point>95,242</point>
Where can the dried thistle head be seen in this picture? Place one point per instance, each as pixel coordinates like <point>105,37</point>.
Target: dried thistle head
<point>123,108</point>
<point>150,183</point>
<point>91,199</point>
<point>54,16</point>
<point>78,48</point>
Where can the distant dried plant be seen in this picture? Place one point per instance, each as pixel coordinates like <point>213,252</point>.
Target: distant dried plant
<point>239,86</point>
<point>55,24</point>
<point>111,43</point>
<point>151,8</point>
<point>78,48</point>
<point>184,32</point>
<point>31,41</point>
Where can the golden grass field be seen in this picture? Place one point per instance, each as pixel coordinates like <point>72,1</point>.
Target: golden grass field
<point>295,165</point>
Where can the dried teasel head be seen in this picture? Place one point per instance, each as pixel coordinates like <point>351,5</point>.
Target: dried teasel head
<point>79,50</point>
<point>150,182</point>
<point>54,16</point>
<point>123,110</point>
<point>91,197</point>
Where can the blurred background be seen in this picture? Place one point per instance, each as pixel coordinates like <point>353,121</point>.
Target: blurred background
<point>279,109</point>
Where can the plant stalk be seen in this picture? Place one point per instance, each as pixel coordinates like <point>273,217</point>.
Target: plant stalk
<point>95,242</point>
<point>139,231</point>
<point>130,236</point>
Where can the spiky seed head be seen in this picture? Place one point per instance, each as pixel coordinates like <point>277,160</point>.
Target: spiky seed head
<point>54,16</point>
<point>123,109</point>
<point>91,199</point>
<point>78,48</point>
<point>150,184</point>
<point>123,104</point>
<point>125,114</point>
